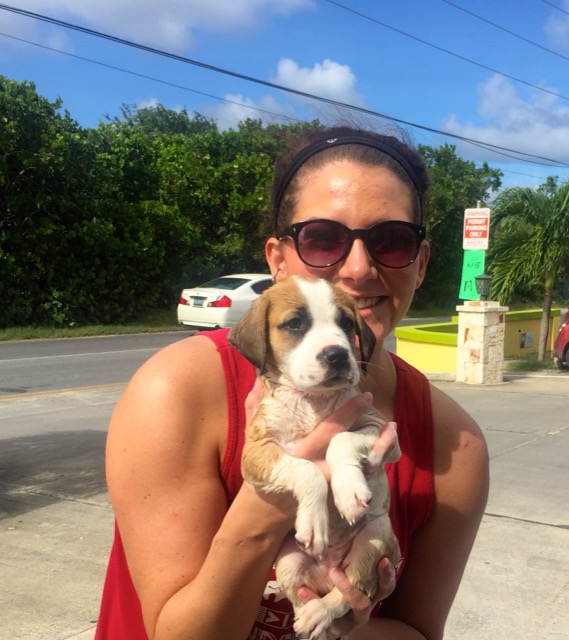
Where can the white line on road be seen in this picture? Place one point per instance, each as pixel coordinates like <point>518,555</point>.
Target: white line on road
<point>79,355</point>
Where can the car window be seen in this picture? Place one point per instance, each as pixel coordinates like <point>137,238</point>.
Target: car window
<point>259,287</point>
<point>224,283</point>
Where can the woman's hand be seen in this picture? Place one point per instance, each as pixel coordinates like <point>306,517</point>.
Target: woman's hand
<point>253,400</point>
<point>313,446</point>
<point>361,605</point>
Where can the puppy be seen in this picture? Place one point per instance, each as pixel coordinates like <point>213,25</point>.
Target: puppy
<point>303,335</point>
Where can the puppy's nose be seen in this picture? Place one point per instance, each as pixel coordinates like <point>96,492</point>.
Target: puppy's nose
<point>336,357</point>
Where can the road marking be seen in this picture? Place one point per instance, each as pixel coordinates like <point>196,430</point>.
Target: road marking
<point>79,355</point>
<point>67,391</point>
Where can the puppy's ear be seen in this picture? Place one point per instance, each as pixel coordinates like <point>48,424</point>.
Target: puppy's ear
<point>249,335</point>
<point>366,338</point>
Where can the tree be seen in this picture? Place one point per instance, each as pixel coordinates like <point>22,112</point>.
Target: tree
<point>455,185</point>
<point>82,236</point>
<point>100,225</point>
<point>159,120</point>
<point>529,244</point>
<point>43,191</point>
<point>97,225</point>
<point>217,188</point>
<point>218,184</point>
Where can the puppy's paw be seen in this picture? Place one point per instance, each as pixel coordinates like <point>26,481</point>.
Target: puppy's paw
<point>351,495</point>
<point>312,533</point>
<point>313,620</point>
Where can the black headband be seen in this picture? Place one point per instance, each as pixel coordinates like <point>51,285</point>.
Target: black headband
<point>320,145</point>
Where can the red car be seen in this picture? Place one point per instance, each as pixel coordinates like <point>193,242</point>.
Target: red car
<point>561,346</point>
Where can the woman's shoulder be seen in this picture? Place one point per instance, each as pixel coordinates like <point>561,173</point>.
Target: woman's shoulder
<point>457,441</point>
<point>187,364</point>
<point>450,419</point>
<point>461,454</point>
<point>178,388</point>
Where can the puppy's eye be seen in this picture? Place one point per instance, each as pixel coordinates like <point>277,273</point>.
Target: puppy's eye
<point>347,324</point>
<point>294,324</point>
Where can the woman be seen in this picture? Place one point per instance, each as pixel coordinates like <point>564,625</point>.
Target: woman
<point>194,547</point>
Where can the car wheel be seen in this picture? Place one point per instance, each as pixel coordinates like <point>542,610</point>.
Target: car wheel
<point>566,358</point>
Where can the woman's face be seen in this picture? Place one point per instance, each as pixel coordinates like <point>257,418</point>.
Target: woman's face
<point>358,196</point>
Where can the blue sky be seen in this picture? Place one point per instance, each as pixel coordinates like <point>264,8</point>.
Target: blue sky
<point>427,62</point>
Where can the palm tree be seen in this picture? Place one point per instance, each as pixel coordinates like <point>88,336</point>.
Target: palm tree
<point>530,244</point>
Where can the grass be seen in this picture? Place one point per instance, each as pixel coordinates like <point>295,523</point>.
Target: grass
<point>155,321</point>
<point>432,312</point>
<point>529,364</point>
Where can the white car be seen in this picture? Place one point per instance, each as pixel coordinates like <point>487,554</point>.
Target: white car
<point>221,302</point>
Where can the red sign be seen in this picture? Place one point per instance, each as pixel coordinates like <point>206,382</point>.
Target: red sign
<point>476,229</point>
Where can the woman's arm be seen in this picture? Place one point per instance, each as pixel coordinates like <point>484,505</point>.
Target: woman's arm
<point>198,567</point>
<point>419,606</point>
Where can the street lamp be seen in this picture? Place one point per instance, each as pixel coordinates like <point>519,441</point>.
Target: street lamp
<point>483,285</point>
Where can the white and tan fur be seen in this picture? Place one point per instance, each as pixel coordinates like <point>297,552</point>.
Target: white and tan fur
<point>302,334</point>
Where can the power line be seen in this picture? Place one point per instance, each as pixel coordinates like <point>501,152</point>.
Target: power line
<point>506,155</point>
<point>209,95</point>
<point>145,77</point>
<point>518,173</point>
<point>520,155</point>
<point>201,93</point>
<point>512,33</point>
<point>447,51</point>
<point>556,7</point>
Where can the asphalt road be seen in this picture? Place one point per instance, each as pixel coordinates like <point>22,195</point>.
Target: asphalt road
<point>32,366</point>
<point>48,365</point>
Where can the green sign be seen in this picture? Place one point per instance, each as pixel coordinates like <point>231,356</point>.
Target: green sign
<point>472,266</point>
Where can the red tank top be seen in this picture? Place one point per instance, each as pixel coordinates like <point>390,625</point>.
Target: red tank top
<point>410,479</point>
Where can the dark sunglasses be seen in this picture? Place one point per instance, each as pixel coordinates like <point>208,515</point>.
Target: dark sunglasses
<point>322,243</point>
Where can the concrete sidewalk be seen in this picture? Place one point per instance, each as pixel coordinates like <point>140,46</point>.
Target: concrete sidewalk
<point>56,523</point>
<point>516,585</point>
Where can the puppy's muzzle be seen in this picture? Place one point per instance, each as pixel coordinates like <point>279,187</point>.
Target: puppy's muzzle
<point>336,361</point>
<point>335,357</point>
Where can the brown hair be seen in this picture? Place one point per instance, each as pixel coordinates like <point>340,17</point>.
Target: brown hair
<point>314,148</point>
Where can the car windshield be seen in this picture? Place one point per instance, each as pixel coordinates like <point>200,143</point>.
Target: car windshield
<point>224,283</point>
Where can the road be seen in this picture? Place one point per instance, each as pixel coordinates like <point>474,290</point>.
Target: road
<point>47,365</point>
<point>33,366</point>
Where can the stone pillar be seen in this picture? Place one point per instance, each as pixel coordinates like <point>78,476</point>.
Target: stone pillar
<point>480,353</point>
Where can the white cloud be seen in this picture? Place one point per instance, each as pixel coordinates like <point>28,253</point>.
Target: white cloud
<point>538,125</point>
<point>147,103</point>
<point>557,26</point>
<point>328,79</point>
<point>170,24</point>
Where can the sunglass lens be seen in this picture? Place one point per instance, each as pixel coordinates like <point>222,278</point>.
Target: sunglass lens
<point>393,244</point>
<point>321,243</point>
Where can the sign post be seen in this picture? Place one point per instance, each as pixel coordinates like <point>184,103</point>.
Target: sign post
<point>476,229</point>
<point>472,266</point>
<point>475,238</point>
<point>480,344</point>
